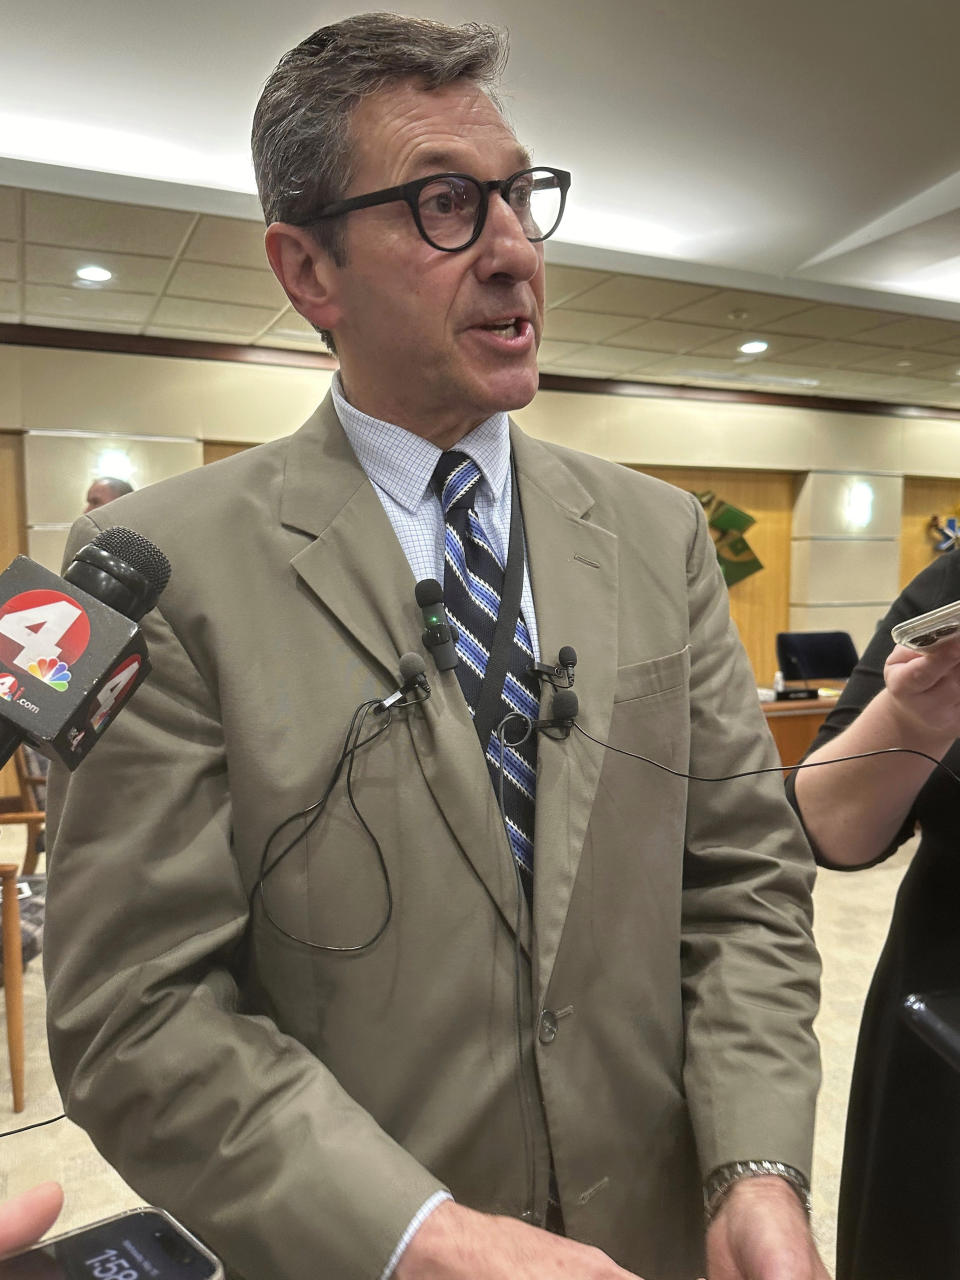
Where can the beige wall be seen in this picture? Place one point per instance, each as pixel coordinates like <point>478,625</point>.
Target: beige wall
<point>168,413</point>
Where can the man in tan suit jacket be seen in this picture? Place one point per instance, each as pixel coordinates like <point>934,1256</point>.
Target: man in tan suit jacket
<point>389,1063</point>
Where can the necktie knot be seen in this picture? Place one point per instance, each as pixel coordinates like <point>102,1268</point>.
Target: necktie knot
<point>454,480</point>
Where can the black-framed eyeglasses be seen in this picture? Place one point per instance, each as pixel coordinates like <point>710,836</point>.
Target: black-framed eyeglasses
<point>450,209</point>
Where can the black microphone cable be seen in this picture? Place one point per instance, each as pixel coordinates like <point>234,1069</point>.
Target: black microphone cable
<point>353,742</point>
<point>780,768</point>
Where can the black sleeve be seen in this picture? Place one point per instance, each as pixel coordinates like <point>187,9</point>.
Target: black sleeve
<point>935,586</point>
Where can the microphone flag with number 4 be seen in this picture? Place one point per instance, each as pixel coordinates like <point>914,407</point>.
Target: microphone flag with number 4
<point>68,662</point>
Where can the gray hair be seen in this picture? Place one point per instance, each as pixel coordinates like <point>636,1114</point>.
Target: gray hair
<point>301,139</point>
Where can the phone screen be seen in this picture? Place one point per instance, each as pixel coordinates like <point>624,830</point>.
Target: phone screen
<point>144,1245</point>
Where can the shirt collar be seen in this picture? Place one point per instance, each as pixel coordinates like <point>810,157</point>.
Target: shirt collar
<point>402,463</point>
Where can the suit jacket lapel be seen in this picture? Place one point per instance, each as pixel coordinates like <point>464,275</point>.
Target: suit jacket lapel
<point>357,569</point>
<point>574,574</point>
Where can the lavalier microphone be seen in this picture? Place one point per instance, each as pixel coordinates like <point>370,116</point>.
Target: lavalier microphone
<point>563,670</point>
<point>412,677</point>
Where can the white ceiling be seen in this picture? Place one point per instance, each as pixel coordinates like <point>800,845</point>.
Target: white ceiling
<point>806,154</point>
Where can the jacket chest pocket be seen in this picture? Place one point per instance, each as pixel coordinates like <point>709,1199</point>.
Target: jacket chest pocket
<point>651,714</point>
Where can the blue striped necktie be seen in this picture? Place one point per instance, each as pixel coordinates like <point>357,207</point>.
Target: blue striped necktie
<point>473,584</point>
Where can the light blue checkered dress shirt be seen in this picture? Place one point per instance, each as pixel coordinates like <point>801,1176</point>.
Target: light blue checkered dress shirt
<point>400,464</point>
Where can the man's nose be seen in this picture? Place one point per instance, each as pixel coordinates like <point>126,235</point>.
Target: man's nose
<point>505,249</point>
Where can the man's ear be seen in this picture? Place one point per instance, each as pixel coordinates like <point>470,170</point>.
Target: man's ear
<point>308,274</point>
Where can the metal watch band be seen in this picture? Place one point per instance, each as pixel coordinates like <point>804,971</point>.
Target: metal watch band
<point>721,1181</point>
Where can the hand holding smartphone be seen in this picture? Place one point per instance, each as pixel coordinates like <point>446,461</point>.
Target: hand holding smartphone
<point>143,1244</point>
<point>927,629</point>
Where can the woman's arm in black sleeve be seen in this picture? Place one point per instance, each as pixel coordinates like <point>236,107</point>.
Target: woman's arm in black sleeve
<point>858,812</point>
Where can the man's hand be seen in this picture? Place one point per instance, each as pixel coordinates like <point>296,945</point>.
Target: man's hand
<point>761,1233</point>
<point>26,1217</point>
<point>456,1243</point>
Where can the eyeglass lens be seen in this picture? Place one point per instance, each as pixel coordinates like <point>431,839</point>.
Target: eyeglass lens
<point>449,207</point>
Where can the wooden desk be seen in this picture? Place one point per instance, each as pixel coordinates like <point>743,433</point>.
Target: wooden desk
<point>794,725</point>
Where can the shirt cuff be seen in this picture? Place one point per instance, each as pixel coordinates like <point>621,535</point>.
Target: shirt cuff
<point>419,1218</point>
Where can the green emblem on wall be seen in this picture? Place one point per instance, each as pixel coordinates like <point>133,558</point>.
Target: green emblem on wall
<point>727,525</point>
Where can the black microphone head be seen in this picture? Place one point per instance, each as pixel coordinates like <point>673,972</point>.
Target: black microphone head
<point>428,592</point>
<point>121,569</point>
<point>567,656</point>
<point>411,666</point>
<point>565,705</point>
<point>138,552</point>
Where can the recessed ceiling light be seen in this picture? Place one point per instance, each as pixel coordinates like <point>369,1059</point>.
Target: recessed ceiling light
<point>754,347</point>
<point>94,275</point>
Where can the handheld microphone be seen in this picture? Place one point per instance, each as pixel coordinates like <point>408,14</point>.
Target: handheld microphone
<point>438,635</point>
<point>71,652</point>
<point>412,676</point>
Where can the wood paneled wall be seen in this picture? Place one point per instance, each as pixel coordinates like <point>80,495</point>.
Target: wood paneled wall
<point>13,538</point>
<point>923,496</point>
<point>216,450</point>
<point>760,604</point>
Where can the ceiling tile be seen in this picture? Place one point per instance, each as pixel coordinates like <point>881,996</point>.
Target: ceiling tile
<point>843,354</point>
<point>777,345</point>
<point>231,242</point>
<point>195,335</point>
<point>913,331</point>
<point>640,296</point>
<point>951,348</point>
<point>768,373</point>
<point>292,325</point>
<point>9,303</point>
<point>10,213</point>
<point>9,260</point>
<point>582,326</point>
<point>181,313</point>
<point>831,322</point>
<point>564,283</point>
<point>101,224</point>
<point>600,359</point>
<point>86,324</point>
<point>666,335</point>
<point>550,351</point>
<point>742,310</point>
<point>132,273</point>
<point>210,283</point>
<point>697,366</point>
<point>85,304</point>
<point>298,342</point>
<point>899,362</point>
<point>947,371</point>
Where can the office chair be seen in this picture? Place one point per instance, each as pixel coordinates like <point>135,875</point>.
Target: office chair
<point>815,655</point>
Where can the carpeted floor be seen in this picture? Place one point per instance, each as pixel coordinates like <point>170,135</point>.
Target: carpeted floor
<point>851,920</point>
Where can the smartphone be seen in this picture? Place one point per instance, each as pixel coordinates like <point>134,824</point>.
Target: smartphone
<point>142,1244</point>
<point>936,1019</point>
<point>928,628</point>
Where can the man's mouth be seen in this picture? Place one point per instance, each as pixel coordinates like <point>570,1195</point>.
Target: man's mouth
<point>512,328</point>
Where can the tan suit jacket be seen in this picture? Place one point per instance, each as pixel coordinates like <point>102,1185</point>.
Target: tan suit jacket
<point>296,1107</point>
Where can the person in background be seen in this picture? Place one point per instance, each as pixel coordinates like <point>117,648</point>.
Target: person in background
<point>28,1216</point>
<point>900,1187</point>
<point>432,1044</point>
<point>104,490</point>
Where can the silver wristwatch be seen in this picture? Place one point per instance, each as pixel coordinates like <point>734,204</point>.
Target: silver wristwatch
<point>720,1183</point>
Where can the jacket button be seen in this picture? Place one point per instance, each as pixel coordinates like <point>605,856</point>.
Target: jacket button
<point>547,1032</point>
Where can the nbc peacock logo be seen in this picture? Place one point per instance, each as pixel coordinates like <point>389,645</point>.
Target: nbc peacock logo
<point>52,672</point>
